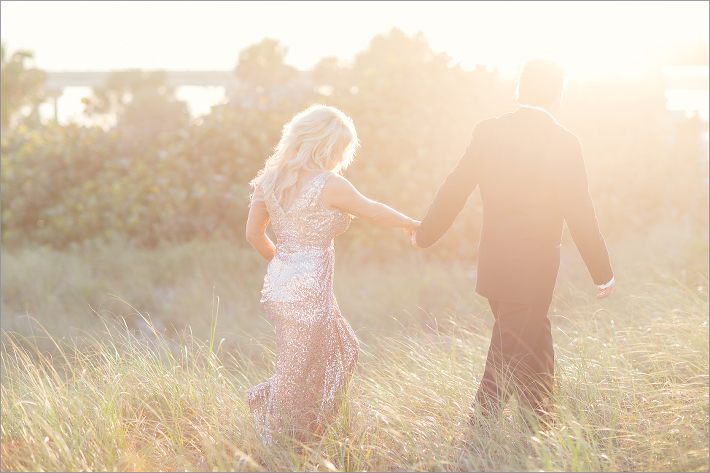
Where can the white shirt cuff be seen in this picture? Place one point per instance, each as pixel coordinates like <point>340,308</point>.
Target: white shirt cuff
<point>604,286</point>
<point>414,240</point>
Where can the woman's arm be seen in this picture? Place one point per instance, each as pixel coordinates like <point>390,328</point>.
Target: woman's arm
<point>339,193</point>
<point>257,222</point>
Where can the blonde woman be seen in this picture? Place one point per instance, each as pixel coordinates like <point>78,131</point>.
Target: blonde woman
<point>301,192</point>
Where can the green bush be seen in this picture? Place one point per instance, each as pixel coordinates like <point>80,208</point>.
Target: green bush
<point>63,185</point>
<point>414,112</point>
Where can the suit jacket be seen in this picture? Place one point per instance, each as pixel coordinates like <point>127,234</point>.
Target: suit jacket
<point>532,177</point>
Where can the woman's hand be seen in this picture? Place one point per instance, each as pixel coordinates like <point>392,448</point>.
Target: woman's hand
<point>410,229</point>
<point>257,222</point>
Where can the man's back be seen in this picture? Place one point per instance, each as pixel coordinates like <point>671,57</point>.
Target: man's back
<point>522,218</point>
<point>532,178</point>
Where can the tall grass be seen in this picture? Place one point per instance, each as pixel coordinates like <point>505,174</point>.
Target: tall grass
<point>631,390</point>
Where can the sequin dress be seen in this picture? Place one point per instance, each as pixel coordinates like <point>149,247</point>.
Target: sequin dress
<point>316,349</point>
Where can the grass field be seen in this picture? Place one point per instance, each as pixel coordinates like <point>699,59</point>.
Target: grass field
<point>153,377</point>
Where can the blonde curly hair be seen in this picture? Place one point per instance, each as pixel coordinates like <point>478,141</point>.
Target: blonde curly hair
<point>316,139</point>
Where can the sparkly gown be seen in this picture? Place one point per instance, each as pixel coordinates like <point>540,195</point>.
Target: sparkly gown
<point>316,350</point>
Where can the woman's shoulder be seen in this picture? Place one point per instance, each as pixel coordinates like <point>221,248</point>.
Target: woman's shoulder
<point>335,180</point>
<point>258,194</point>
<point>336,190</point>
<point>335,183</point>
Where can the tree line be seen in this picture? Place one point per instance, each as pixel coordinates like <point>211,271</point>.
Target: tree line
<point>157,177</point>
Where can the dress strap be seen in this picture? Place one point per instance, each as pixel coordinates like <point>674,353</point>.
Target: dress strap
<point>319,181</point>
<point>315,187</point>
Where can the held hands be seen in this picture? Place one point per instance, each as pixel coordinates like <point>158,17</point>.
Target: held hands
<point>411,232</point>
<point>411,229</point>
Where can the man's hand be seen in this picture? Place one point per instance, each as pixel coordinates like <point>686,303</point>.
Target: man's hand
<point>606,292</point>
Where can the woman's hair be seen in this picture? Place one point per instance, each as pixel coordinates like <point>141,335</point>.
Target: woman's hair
<point>316,139</point>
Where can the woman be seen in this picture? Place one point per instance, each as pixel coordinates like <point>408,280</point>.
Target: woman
<point>301,192</point>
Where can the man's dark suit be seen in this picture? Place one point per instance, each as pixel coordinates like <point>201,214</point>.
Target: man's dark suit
<point>532,178</point>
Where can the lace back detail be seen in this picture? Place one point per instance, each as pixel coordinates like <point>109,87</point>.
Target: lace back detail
<point>312,194</point>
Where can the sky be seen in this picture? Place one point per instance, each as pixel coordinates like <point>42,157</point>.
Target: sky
<point>587,38</point>
<point>584,36</point>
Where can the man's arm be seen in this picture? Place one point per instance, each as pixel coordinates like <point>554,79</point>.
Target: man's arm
<point>573,196</point>
<point>452,194</point>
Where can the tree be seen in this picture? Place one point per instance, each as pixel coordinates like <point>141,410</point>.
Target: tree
<point>262,65</point>
<point>332,74</point>
<point>143,102</point>
<point>21,84</point>
<point>414,111</point>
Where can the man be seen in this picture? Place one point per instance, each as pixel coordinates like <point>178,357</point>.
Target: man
<point>532,178</point>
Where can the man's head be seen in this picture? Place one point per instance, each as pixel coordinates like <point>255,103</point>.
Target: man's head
<point>541,83</point>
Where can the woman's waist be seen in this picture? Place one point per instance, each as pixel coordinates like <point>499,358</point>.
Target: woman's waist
<point>301,275</point>
<point>315,249</point>
<point>301,260</point>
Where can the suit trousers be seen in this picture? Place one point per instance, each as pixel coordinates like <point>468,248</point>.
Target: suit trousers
<point>520,359</point>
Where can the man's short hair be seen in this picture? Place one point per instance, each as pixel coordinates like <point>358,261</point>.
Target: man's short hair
<point>541,82</point>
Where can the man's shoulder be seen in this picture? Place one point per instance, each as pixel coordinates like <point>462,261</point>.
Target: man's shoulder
<point>487,122</point>
<point>487,125</point>
<point>564,131</point>
<point>565,136</point>
<point>484,126</point>
<point>492,119</point>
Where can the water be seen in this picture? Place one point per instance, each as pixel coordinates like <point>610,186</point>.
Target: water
<point>688,92</point>
<point>200,100</point>
<point>688,89</point>
<point>690,101</point>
